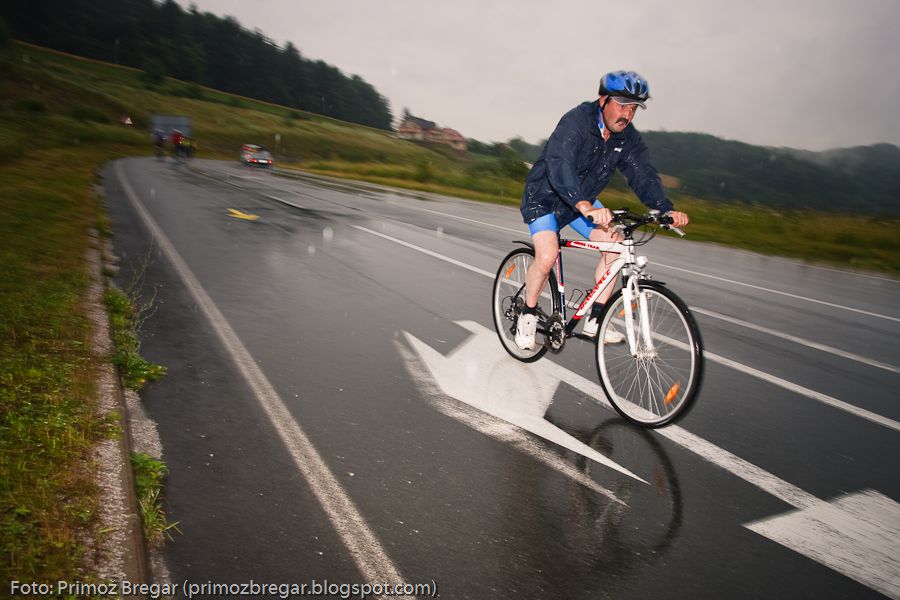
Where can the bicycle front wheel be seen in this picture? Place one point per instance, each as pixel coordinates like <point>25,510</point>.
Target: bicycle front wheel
<point>655,382</point>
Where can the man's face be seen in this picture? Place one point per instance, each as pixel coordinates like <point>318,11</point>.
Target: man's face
<point>617,116</point>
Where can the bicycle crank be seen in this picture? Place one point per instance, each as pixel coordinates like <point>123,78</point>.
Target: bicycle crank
<point>555,337</point>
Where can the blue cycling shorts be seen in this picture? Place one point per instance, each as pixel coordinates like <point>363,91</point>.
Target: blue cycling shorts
<point>547,222</point>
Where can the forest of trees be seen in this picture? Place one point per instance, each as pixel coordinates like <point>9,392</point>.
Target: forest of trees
<point>864,178</point>
<point>164,39</point>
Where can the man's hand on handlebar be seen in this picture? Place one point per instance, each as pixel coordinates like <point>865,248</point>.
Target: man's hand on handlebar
<point>679,219</point>
<point>599,216</point>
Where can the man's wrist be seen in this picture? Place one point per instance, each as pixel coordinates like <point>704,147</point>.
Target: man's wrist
<point>583,206</point>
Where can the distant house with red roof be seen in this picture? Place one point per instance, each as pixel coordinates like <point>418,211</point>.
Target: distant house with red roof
<point>414,128</point>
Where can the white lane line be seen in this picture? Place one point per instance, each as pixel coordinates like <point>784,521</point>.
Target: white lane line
<point>362,544</point>
<point>283,201</point>
<point>804,391</point>
<point>520,231</point>
<point>780,293</point>
<point>750,285</point>
<point>452,261</point>
<point>783,383</point>
<point>798,340</point>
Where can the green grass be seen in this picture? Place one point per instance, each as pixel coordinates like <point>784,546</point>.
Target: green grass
<point>126,317</point>
<point>850,241</point>
<point>148,475</point>
<point>47,421</point>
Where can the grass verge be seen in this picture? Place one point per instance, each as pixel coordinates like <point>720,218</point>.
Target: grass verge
<point>48,425</point>
<point>125,319</point>
<point>148,475</point>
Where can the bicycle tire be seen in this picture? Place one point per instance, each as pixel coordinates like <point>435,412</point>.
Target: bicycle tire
<point>509,283</point>
<point>656,387</point>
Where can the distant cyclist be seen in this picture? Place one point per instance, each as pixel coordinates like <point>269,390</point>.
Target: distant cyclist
<point>590,142</point>
<point>175,138</point>
<point>159,142</point>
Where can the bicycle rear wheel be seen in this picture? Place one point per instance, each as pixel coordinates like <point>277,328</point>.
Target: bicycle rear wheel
<point>508,298</point>
<point>657,384</point>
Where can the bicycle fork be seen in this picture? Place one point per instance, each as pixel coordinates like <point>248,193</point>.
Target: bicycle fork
<point>629,293</point>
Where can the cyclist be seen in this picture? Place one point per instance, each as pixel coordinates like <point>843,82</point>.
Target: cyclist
<point>159,142</point>
<point>590,142</point>
<point>175,138</point>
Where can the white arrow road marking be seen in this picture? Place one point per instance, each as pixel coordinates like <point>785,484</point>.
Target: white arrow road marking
<point>495,383</point>
<point>492,426</point>
<point>857,535</point>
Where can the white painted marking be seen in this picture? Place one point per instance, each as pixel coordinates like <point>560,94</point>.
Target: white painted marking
<point>780,293</point>
<point>520,394</point>
<point>833,305</point>
<point>857,535</point>
<point>366,550</point>
<point>494,427</point>
<point>283,201</point>
<point>783,383</point>
<point>437,255</point>
<point>521,231</point>
<point>798,340</point>
<point>804,391</point>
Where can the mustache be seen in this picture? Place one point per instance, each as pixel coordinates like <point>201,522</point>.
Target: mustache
<point>622,121</point>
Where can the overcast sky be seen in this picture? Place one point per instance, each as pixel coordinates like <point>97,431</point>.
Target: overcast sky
<point>813,74</point>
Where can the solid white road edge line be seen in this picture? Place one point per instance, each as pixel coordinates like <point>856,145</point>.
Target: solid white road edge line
<point>783,383</point>
<point>362,544</point>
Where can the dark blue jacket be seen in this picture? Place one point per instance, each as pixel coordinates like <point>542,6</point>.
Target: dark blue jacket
<point>576,164</point>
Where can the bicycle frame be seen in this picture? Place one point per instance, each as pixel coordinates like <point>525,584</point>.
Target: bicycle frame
<point>625,263</point>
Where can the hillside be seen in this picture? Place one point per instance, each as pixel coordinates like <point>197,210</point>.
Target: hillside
<point>161,39</point>
<point>864,179</point>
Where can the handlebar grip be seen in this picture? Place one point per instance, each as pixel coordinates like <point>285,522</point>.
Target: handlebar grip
<point>675,229</point>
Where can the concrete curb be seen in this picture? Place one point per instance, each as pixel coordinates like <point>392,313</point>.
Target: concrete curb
<point>122,552</point>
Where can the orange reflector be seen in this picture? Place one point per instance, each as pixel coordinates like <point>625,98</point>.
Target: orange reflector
<point>673,391</point>
<point>509,271</point>
<point>633,308</point>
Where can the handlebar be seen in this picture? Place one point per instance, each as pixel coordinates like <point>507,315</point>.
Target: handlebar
<point>628,221</point>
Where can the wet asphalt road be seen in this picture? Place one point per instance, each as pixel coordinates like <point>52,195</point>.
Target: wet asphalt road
<point>352,301</point>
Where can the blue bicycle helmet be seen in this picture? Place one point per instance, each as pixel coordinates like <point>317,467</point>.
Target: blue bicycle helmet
<point>625,85</point>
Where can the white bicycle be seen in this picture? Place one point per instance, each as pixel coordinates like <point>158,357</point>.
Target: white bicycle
<point>653,378</point>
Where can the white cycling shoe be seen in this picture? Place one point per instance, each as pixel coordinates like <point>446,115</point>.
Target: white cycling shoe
<point>526,327</point>
<point>610,337</point>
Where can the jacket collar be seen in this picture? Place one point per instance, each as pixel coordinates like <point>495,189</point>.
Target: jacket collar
<point>596,120</point>
<point>599,125</point>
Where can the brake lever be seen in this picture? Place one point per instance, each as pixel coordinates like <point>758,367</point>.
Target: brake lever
<point>675,229</point>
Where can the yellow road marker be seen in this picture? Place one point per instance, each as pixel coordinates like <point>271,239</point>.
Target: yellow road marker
<point>233,212</point>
